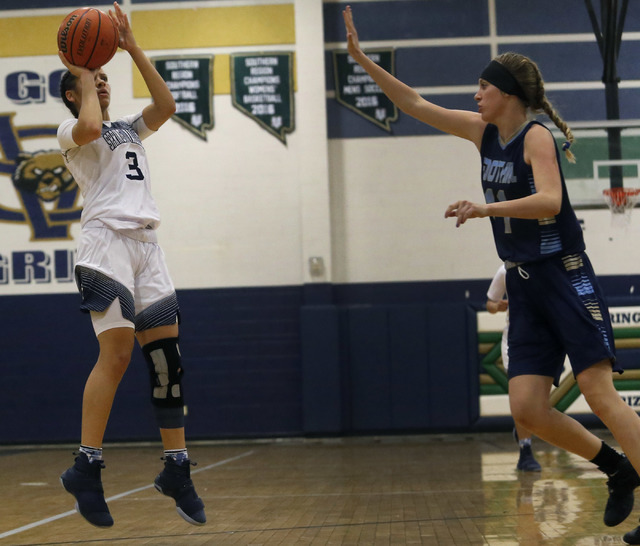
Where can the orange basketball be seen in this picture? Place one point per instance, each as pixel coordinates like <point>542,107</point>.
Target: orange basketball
<point>88,37</point>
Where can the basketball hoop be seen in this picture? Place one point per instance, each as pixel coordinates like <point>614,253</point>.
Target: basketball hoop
<point>621,202</point>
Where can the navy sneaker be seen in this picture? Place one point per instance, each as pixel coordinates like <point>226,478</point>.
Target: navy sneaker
<point>632,537</point>
<point>83,481</point>
<point>175,482</point>
<point>621,485</point>
<point>527,462</point>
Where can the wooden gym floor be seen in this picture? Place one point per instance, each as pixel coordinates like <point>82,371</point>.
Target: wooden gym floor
<point>450,489</point>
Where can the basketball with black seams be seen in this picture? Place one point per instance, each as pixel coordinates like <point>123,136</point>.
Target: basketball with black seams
<point>88,37</point>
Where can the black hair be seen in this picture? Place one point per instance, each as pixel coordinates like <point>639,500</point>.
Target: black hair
<point>68,83</point>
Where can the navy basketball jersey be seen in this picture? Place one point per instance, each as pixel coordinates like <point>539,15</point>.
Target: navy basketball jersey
<point>506,176</point>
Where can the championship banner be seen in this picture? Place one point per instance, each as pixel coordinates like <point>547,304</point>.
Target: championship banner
<point>190,79</point>
<point>262,88</point>
<point>356,90</point>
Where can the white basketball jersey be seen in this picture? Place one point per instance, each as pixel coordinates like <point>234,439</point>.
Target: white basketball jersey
<point>112,174</point>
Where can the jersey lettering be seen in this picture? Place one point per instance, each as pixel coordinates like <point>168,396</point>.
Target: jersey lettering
<point>119,133</point>
<point>500,172</point>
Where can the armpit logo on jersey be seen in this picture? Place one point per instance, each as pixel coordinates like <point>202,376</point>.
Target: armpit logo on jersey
<point>500,172</point>
<point>119,133</point>
<point>47,195</point>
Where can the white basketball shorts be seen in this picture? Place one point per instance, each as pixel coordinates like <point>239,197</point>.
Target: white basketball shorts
<point>111,265</point>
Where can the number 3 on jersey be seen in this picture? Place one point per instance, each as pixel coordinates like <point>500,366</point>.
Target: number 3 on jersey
<point>133,166</point>
<point>489,197</point>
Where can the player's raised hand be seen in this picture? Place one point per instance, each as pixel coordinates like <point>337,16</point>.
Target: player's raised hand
<point>353,44</point>
<point>119,17</point>
<point>77,71</point>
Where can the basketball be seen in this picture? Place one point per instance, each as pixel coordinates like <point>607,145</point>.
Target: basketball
<point>88,37</point>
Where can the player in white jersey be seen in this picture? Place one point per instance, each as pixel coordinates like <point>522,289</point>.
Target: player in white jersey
<point>119,194</point>
<point>122,275</point>
<point>497,302</point>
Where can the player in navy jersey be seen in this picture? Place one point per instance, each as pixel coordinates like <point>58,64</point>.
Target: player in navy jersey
<point>122,275</point>
<point>556,306</point>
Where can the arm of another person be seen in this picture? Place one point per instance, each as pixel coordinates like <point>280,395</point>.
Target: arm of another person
<point>163,105</point>
<point>461,123</point>
<point>496,300</point>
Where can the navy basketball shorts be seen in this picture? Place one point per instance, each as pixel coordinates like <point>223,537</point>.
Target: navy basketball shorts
<point>556,309</point>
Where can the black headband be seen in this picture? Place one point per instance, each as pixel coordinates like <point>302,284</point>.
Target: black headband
<point>496,74</point>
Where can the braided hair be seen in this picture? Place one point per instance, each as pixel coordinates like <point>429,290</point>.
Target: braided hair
<point>528,75</point>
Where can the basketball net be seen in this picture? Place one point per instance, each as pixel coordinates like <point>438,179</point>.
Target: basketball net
<point>621,202</point>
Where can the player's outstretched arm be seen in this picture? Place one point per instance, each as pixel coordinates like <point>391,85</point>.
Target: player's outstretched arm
<point>163,105</point>
<point>465,124</point>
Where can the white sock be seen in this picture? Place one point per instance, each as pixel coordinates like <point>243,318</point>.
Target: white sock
<point>92,453</point>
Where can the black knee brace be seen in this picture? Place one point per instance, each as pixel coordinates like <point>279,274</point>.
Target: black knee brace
<point>165,372</point>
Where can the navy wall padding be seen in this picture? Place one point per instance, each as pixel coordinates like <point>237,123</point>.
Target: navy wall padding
<point>241,351</point>
<point>471,345</point>
<point>389,368</point>
<point>269,361</point>
<point>48,350</point>
<point>321,372</point>
<point>452,368</point>
<point>369,369</point>
<point>409,362</point>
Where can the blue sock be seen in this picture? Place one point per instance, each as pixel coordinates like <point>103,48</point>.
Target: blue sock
<point>92,453</point>
<point>178,455</point>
